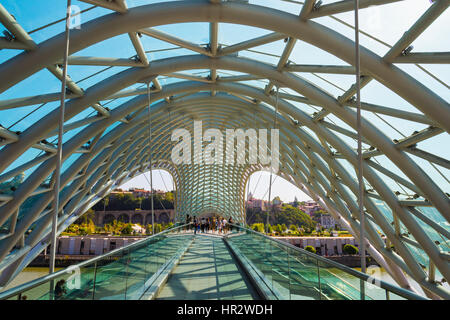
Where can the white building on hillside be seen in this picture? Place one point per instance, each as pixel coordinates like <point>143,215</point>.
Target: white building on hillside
<point>327,221</point>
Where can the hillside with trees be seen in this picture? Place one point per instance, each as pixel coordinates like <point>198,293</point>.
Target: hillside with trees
<point>287,215</point>
<point>127,201</point>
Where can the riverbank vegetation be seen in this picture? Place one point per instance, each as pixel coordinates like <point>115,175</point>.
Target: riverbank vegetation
<point>288,220</point>
<point>281,230</point>
<point>85,226</point>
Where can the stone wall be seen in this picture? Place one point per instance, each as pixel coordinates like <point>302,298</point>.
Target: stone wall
<point>142,217</point>
<point>91,245</point>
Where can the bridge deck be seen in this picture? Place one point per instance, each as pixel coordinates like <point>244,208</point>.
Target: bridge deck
<point>207,271</point>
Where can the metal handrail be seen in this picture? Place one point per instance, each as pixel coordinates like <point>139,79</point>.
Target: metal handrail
<point>362,276</point>
<point>37,282</point>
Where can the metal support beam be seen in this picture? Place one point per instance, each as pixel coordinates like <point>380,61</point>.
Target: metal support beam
<point>308,150</point>
<point>283,60</point>
<point>424,57</point>
<point>115,5</point>
<point>174,40</point>
<point>95,61</point>
<point>319,69</point>
<point>345,6</point>
<point>271,37</point>
<point>137,44</point>
<point>429,157</point>
<point>308,6</point>
<point>21,39</point>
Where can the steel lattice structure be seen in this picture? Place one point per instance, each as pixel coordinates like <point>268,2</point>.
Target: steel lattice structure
<point>317,148</point>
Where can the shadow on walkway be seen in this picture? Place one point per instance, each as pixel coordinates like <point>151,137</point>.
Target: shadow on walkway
<point>207,272</point>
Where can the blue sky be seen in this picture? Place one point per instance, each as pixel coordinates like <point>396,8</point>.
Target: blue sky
<point>162,180</point>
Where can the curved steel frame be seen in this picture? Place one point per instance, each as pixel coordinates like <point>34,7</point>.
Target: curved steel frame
<point>121,153</point>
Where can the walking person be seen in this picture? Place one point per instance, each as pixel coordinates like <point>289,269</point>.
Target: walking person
<point>195,225</point>
<point>224,225</point>
<point>230,222</point>
<point>60,289</point>
<point>188,219</point>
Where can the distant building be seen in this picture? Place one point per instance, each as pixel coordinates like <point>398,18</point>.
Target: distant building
<point>137,192</point>
<point>310,207</point>
<point>119,191</point>
<point>263,205</point>
<point>327,221</point>
<point>140,193</point>
<point>257,204</point>
<point>277,203</point>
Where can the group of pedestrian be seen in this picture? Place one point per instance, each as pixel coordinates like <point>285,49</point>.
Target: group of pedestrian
<point>218,225</point>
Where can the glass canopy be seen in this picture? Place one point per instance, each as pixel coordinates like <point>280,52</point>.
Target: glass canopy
<point>231,64</point>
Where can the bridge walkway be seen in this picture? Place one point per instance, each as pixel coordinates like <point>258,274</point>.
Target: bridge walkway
<point>208,271</point>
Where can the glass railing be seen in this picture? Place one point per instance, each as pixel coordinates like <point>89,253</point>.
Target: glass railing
<point>122,274</point>
<point>292,273</point>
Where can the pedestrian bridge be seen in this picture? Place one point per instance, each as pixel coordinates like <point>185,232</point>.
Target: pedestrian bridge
<point>178,264</point>
<point>361,129</point>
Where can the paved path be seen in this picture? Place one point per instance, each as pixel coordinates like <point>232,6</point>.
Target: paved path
<point>207,271</point>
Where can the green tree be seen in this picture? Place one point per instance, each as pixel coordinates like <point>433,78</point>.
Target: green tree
<point>85,217</point>
<point>127,229</point>
<point>108,228</point>
<point>73,228</point>
<point>105,203</point>
<point>259,227</point>
<point>350,249</point>
<point>169,196</point>
<point>158,227</point>
<point>301,231</point>
<point>290,215</point>
<point>90,227</point>
<point>310,249</point>
<point>277,228</point>
<point>82,230</point>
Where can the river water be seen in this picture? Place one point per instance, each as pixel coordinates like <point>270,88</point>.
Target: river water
<point>28,274</point>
